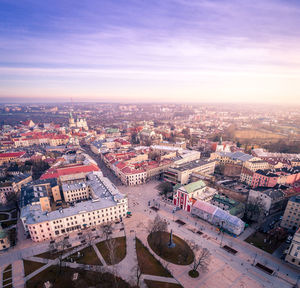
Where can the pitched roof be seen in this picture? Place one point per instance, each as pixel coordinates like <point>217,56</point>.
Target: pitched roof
<point>12,154</point>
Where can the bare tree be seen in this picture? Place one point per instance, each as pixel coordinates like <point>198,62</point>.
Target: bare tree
<point>254,209</point>
<point>107,230</point>
<point>157,225</point>
<point>202,257</point>
<point>59,247</point>
<point>137,274</point>
<point>111,246</point>
<point>88,237</point>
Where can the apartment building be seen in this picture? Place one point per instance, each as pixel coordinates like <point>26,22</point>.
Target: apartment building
<point>291,216</point>
<point>256,165</point>
<point>105,204</point>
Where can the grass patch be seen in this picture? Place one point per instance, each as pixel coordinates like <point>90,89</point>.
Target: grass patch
<point>181,254</point>
<point>86,278</point>
<point>257,239</point>
<point>3,217</point>
<point>156,284</point>
<point>8,223</point>
<point>89,257</point>
<point>148,264</point>
<point>7,273</point>
<point>31,266</point>
<point>120,250</point>
<point>53,255</point>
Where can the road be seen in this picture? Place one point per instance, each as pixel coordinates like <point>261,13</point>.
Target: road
<point>139,196</point>
<point>105,170</point>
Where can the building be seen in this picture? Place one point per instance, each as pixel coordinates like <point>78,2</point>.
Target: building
<point>232,157</point>
<point>9,157</point>
<point>43,192</point>
<point>75,192</point>
<point>105,204</point>
<point>234,207</point>
<point>186,195</point>
<point>79,123</point>
<point>293,255</point>
<point>4,240</point>
<point>271,199</point>
<point>264,178</point>
<point>181,173</point>
<point>256,165</point>
<point>14,185</point>
<point>218,217</point>
<point>291,216</point>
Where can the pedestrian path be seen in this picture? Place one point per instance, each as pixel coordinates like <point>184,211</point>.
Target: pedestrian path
<point>100,257</point>
<point>18,274</point>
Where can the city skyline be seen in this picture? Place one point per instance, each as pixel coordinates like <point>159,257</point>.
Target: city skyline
<point>175,51</point>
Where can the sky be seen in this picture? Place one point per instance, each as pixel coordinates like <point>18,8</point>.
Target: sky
<point>185,51</point>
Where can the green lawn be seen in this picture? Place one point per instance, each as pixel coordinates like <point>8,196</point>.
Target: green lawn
<point>148,264</point>
<point>181,254</point>
<point>63,279</point>
<point>257,239</point>
<point>156,284</point>
<point>120,250</point>
<point>31,266</point>
<point>89,257</point>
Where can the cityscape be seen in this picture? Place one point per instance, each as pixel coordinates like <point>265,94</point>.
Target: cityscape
<point>152,144</point>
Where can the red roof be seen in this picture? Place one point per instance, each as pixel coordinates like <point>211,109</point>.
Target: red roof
<point>12,154</point>
<point>57,172</point>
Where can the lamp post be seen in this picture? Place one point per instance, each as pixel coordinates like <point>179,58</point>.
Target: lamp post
<point>254,259</point>
<point>222,233</point>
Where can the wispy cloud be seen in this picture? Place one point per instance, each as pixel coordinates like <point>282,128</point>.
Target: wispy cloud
<point>171,41</point>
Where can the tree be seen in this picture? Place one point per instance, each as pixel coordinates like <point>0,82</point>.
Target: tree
<point>138,274</point>
<point>156,226</point>
<point>202,257</point>
<point>254,209</point>
<point>106,230</point>
<point>164,188</point>
<point>59,247</point>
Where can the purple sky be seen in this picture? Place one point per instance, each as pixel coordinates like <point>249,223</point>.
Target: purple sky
<point>176,51</point>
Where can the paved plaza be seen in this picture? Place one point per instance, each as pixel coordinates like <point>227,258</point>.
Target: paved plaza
<point>225,270</point>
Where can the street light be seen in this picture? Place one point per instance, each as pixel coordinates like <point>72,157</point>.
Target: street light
<point>222,231</point>
<point>254,259</point>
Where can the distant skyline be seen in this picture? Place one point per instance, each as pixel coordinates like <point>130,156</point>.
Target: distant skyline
<point>150,51</point>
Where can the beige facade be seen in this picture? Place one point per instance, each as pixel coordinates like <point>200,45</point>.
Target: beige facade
<point>63,225</point>
<point>74,192</point>
<point>256,165</point>
<point>293,255</point>
<point>291,216</point>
